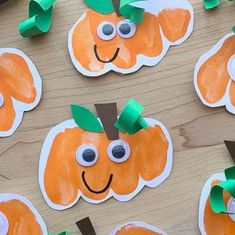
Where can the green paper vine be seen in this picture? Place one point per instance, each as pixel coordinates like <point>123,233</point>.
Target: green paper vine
<point>85,119</point>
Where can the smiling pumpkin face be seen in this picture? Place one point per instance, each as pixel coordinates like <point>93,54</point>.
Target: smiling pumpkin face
<point>18,216</point>
<point>99,43</point>
<point>76,163</point>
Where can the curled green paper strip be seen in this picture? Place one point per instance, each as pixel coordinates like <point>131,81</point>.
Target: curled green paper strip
<point>40,18</point>
<point>130,119</point>
<point>134,14</point>
<point>85,119</point>
<point>62,233</point>
<point>216,195</point>
<point>210,4</point>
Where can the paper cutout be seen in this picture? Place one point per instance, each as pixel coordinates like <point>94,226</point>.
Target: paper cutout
<point>18,216</point>
<point>86,119</point>
<point>20,89</point>
<point>108,117</point>
<point>145,158</point>
<point>209,222</point>
<point>130,119</point>
<point>40,18</point>
<point>121,7</point>
<point>137,228</point>
<point>210,4</point>
<point>85,226</point>
<point>231,148</point>
<point>214,79</point>
<point>93,55</point>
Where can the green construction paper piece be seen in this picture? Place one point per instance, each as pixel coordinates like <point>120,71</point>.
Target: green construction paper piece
<point>85,119</point>
<point>210,4</point>
<point>216,195</point>
<point>130,119</point>
<point>40,18</point>
<point>134,14</point>
<point>101,6</point>
<point>233,28</point>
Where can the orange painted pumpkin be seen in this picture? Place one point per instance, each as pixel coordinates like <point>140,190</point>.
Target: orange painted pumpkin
<point>211,223</point>
<point>19,217</point>
<point>214,76</point>
<point>137,228</point>
<point>99,43</point>
<point>20,89</point>
<point>64,177</point>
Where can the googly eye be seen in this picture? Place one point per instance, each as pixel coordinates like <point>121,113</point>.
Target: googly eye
<point>231,67</point>
<point>1,100</point>
<point>106,30</point>
<point>87,155</point>
<point>231,208</point>
<point>119,151</point>
<point>4,224</point>
<point>126,29</point>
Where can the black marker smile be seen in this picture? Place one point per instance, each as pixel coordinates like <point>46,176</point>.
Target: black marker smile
<point>100,191</point>
<point>106,61</point>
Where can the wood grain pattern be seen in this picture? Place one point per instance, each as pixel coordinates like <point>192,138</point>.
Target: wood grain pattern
<point>165,90</point>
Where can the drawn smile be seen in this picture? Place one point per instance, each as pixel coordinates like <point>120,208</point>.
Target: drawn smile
<point>106,61</point>
<point>93,191</point>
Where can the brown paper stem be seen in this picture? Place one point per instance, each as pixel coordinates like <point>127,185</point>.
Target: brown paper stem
<point>85,226</point>
<point>116,5</point>
<point>108,116</point>
<point>231,148</point>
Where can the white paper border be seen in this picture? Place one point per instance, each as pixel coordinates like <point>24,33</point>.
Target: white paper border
<point>20,107</point>
<point>139,224</point>
<point>203,199</point>
<point>71,124</point>
<point>141,59</point>
<point>225,100</point>
<point>9,196</point>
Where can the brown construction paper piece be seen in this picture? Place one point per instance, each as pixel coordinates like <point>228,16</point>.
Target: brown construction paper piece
<point>116,5</point>
<point>231,148</point>
<point>85,226</point>
<point>108,116</point>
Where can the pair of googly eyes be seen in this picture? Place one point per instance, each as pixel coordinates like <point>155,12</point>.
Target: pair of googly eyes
<point>4,225</point>
<point>107,30</point>
<point>118,151</point>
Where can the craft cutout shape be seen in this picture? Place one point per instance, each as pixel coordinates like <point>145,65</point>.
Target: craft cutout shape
<point>83,158</point>
<point>20,89</point>
<point>18,216</point>
<point>135,227</point>
<point>99,43</point>
<point>214,75</point>
<point>217,202</point>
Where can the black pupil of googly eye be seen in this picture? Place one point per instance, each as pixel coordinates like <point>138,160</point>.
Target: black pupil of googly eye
<point>118,151</point>
<point>125,28</point>
<point>88,155</point>
<point>107,29</point>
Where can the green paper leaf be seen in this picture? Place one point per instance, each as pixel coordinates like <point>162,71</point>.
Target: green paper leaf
<point>233,28</point>
<point>210,4</point>
<point>85,119</point>
<point>62,233</point>
<point>40,18</point>
<point>130,119</point>
<point>101,6</point>
<point>217,192</point>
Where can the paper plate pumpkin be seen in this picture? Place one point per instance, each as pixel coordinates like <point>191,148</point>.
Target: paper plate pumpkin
<point>19,217</point>
<point>214,75</point>
<point>101,42</point>
<point>20,89</point>
<point>84,157</point>
<point>137,228</point>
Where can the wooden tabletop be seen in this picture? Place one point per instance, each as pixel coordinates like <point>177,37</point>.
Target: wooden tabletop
<point>167,93</point>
